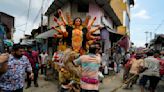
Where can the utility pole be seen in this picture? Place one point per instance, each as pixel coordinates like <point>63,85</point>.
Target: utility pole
<point>150,36</point>
<point>42,17</point>
<point>41,23</point>
<point>146,35</point>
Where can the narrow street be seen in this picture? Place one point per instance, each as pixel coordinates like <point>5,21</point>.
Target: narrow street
<point>77,39</point>
<point>109,83</point>
<point>44,86</point>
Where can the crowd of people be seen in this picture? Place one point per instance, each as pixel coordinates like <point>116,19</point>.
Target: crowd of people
<point>18,65</point>
<point>144,67</point>
<point>21,64</point>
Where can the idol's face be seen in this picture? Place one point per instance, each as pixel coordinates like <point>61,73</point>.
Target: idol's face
<point>78,22</point>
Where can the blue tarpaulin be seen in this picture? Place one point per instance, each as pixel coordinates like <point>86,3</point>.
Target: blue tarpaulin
<point>2,32</point>
<point>3,38</point>
<point>8,42</point>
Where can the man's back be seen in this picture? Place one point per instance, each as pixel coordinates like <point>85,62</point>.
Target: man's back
<point>136,64</point>
<point>153,66</point>
<point>90,66</point>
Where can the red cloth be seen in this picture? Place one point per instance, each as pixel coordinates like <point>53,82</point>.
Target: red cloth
<point>128,64</point>
<point>56,57</point>
<point>90,80</point>
<point>124,43</point>
<point>33,57</point>
<point>161,70</point>
<point>132,55</point>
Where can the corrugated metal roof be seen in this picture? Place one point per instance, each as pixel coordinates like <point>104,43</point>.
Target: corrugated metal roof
<point>46,34</point>
<point>56,5</point>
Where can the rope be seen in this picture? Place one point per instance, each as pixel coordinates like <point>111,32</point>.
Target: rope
<point>114,90</point>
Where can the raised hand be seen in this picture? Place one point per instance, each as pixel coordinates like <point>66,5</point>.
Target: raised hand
<point>57,36</point>
<point>60,12</point>
<point>90,25</point>
<point>70,22</point>
<point>90,32</point>
<point>55,19</point>
<point>62,17</point>
<point>58,22</point>
<point>85,23</point>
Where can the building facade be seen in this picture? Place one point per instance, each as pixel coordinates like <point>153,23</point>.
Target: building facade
<point>101,9</point>
<point>8,22</point>
<point>6,30</point>
<point>107,13</point>
<point>157,43</point>
<point>122,10</point>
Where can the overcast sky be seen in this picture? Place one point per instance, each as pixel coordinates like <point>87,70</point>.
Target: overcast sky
<point>19,9</point>
<point>146,15</point>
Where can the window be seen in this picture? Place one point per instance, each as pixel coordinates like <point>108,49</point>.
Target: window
<point>83,7</point>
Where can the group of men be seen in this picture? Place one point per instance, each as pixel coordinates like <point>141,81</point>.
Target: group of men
<point>20,62</point>
<point>17,66</point>
<point>146,65</point>
<point>14,66</point>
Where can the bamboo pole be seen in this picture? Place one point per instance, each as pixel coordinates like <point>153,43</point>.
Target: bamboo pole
<point>114,90</point>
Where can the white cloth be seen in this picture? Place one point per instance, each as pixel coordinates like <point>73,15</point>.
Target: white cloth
<point>101,76</point>
<point>44,58</point>
<point>58,58</point>
<point>153,66</point>
<point>127,57</point>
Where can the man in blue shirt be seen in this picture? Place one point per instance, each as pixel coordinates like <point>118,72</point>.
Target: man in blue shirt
<point>18,65</point>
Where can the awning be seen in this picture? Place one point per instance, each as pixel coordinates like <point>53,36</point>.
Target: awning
<point>27,41</point>
<point>8,42</point>
<point>46,34</point>
<point>57,4</point>
<point>114,36</point>
<point>112,30</point>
